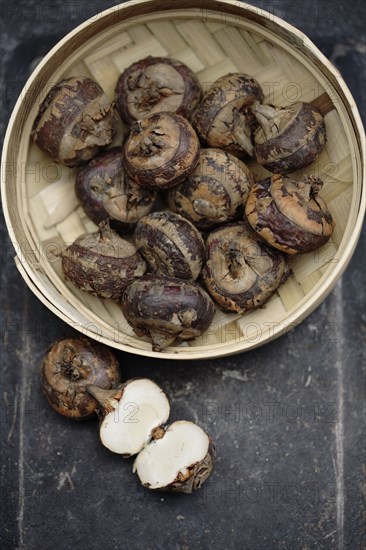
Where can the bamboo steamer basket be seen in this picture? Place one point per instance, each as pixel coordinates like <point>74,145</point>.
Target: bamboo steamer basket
<point>212,38</point>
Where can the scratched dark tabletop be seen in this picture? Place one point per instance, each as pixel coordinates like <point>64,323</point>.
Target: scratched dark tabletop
<point>287,418</point>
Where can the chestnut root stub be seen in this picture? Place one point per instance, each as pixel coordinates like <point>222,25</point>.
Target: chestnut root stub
<point>69,366</point>
<point>167,309</point>
<point>105,191</point>
<point>75,119</point>
<point>215,192</point>
<point>242,272</point>
<point>289,138</point>
<point>156,84</point>
<point>223,118</point>
<point>161,150</point>
<point>289,214</point>
<point>102,263</point>
<point>170,244</point>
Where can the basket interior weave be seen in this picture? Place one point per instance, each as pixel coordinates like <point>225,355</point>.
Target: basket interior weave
<point>211,47</point>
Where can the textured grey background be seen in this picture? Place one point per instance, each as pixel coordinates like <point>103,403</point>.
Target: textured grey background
<point>287,418</point>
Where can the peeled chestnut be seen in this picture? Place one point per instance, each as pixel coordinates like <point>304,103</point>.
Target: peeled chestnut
<point>215,192</point>
<point>102,263</point>
<point>170,244</point>
<point>223,118</point>
<point>289,138</point>
<point>242,272</point>
<point>167,309</point>
<point>289,214</point>
<point>161,150</point>
<point>75,119</point>
<point>156,84</point>
<point>69,366</point>
<point>105,191</point>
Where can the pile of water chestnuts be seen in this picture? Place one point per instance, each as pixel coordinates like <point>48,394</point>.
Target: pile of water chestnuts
<point>182,222</point>
<point>81,378</point>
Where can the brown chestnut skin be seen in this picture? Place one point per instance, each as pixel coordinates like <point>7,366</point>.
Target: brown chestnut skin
<point>161,150</point>
<point>223,119</point>
<point>290,215</point>
<point>74,121</point>
<point>242,272</point>
<point>105,191</point>
<point>289,138</point>
<point>102,263</point>
<point>156,84</point>
<point>167,309</point>
<point>170,244</point>
<point>69,366</point>
<point>215,192</point>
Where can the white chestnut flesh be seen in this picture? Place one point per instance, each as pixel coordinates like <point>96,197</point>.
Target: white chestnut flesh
<point>288,138</point>
<point>105,191</point>
<point>74,121</point>
<point>242,272</point>
<point>156,84</point>
<point>223,118</point>
<point>167,309</point>
<point>290,215</point>
<point>215,192</point>
<point>102,263</point>
<point>180,460</point>
<point>131,414</point>
<point>170,244</point>
<point>161,150</point>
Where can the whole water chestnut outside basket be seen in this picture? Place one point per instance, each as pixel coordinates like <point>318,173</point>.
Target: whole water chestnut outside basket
<point>30,205</point>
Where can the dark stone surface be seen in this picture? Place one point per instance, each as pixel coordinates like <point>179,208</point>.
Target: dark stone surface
<point>287,418</point>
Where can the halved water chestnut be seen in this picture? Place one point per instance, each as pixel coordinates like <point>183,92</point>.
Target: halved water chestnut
<point>242,272</point>
<point>161,150</point>
<point>130,414</point>
<point>289,214</point>
<point>133,416</point>
<point>156,84</point>
<point>179,459</point>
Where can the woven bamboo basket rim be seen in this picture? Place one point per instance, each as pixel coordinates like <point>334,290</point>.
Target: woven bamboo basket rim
<point>38,274</point>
